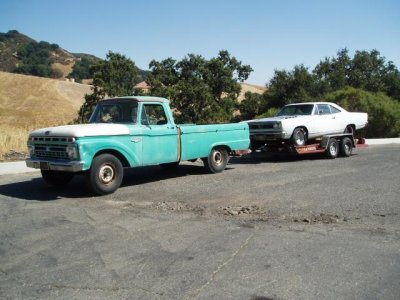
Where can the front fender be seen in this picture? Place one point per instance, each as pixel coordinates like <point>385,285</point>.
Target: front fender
<point>90,146</point>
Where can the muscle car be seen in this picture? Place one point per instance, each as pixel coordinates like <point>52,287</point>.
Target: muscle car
<point>300,122</point>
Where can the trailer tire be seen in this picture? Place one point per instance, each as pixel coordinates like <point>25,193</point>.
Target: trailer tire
<point>332,150</point>
<point>106,174</point>
<point>299,137</point>
<point>56,178</point>
<point>346,147</point>
<point>216,161</point>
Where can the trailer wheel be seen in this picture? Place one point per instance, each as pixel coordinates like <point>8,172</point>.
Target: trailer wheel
<point>105,175</point>
<point>299,137</point>
<point>346,147</point>
<point>56,178</point>
<point>216,160</point>
<point>332,150</point>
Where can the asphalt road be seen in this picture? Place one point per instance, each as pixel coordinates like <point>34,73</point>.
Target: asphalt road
<point>266,228</point>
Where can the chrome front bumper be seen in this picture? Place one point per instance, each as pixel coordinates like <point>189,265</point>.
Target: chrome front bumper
<point>67,166</point>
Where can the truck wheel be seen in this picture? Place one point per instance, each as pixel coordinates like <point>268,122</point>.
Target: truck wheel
<point>333,149</point>
<point>299,137</point>
<point>170,166</point>
<point>105,175</point>
<point>56,178</point>
<point>346,147</point>
<point>216,160</point>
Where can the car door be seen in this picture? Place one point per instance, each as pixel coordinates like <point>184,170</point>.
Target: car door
<point>160,135</point>
<point>328,124</point>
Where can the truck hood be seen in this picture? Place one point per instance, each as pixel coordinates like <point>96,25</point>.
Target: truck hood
<point>83,130</point>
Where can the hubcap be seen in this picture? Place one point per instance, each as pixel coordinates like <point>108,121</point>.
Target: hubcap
<point>299,138</point>
<point>217,157</point>
<point>106,174</point>
<point>333,149</point>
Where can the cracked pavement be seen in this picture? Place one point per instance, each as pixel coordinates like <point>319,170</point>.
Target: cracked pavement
<point>306,228</point>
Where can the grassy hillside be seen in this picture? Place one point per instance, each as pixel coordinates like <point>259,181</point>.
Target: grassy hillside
<point>28,102</point>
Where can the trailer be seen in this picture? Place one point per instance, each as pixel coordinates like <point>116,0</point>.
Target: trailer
<point>332,146</point>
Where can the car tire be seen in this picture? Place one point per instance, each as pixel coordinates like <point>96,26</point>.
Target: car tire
<point>299,137</point>
<point>332,150</point>
<point>216,161</point>
<point>57,178</point>
<point>106,174</point>
<point>346,147</point>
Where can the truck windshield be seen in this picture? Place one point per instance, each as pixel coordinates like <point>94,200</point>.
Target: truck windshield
<point>296,110</point>
<point>115,112</point>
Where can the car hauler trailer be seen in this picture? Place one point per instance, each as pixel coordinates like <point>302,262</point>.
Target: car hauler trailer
<point>332,146</point>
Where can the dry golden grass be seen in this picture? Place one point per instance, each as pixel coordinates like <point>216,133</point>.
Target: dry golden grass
<point>28,102</point>
<point>250,88</point>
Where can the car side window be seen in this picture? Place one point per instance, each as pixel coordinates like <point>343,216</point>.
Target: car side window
<point>334,110</point>
<point>323,109</point>
<point>153,114</point>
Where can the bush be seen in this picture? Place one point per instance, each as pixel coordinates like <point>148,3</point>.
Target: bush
<point>383,111</point>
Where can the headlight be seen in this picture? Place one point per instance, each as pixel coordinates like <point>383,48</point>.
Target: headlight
<point>72,152</point>
<point>31,150</point>
<point>277,125</point>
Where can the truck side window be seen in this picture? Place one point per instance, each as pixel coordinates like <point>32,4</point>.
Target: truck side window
<point>153,114</point>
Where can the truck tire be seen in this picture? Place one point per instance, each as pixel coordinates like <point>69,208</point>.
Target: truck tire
<point>56,178</point>
<point>332,150</point>
<point>105,175</point>
<point>299,137</point>
<point>346,147</point>
<point>216,160</point>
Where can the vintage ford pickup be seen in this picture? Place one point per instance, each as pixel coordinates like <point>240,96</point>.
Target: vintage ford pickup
<point>129,132</point>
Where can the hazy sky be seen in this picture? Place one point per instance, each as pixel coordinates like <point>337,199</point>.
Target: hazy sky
<point>266,34</point>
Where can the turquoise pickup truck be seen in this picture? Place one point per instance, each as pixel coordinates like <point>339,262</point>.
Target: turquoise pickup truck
<point>128,132</point>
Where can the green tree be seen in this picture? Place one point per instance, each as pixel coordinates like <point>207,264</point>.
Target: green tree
<point>81,69</point>
<point>289,87</point>
<point>250,106</point>
<point>36,59</point>
<point>201,90</point>
<point>115,76</point>
<point>383,111</point>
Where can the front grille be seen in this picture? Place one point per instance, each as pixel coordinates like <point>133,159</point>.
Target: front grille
<point>51,151</point>
<point>51,147</point>
<point>262,126</point>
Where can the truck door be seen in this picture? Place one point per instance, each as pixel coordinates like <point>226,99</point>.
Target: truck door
<point>160,135</point>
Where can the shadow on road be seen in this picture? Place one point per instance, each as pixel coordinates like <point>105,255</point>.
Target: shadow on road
<point>265,158</point>
<point>36,189</point>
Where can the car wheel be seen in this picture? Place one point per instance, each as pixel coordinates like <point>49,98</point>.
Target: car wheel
<point>216,160</point>
<point>57,178</point>
<point>299,137</point>
<point>333,149</point>
<point>105,175</point>
<point>346,147</point>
